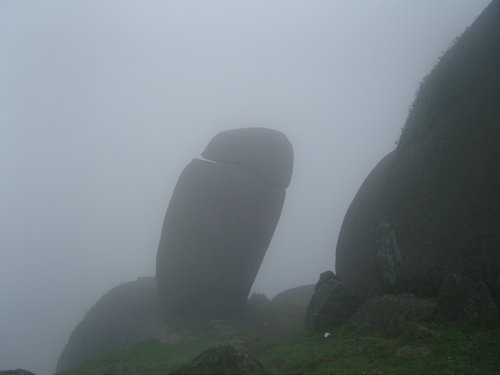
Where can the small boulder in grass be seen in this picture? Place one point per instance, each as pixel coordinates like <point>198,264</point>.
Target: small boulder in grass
<point>222,359</point>
<point>331,304</point>
<point>461,298</point>
<point>385,314</point>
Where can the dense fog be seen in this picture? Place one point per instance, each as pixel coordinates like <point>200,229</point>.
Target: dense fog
<point>102,105</point>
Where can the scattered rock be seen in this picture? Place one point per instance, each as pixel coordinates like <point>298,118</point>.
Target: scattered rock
<point>463,298</point>
<point>355,261</point>
<point>222,359</point>
<point>220,221</point>
<point>421,332</point>
<point>300,295</point>
<point>387,313</point>
<point>331,304</point>
<point>221,328</point>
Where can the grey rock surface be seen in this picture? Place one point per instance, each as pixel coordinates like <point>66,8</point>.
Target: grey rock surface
<point>389,262</point>
<point>441,195</point>
<point>222,359</point>
<point>463,298</point>
<point>300,295</point>
<point>355,260</point>
<point>16,372</point>
<point>220,221</point>
<point>432,207</point>
<point>383,314</point>
<point>266,152</point>
<point>127,314</point>
<point>331,304</point>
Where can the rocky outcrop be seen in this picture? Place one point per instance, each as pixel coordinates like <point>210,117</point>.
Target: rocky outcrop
<point>440,201</point>
<point>300,295</point>
<point>355,261</point>
<point>220,221</point>
<point>432,207</point>
<point>225,358</point>
<point>463,298</point>
<point>127,314</point>
<point>331,304</point>
<point>384,314</point>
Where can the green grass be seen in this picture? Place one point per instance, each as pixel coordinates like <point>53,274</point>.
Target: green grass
<point>461,348</point>
<point>149,357</point>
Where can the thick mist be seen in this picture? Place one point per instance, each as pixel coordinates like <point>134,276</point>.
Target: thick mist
<point>102,105</point>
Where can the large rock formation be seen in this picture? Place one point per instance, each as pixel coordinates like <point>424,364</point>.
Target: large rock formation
<point>220,221</point>
<point>127,314</point>
<point>438,210</point>
<point>355,261</point>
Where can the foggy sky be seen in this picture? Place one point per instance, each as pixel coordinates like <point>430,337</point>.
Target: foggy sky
<point>102,104</point>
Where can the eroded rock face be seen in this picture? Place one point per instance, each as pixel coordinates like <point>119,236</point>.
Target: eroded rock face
<point>127,314</point>
<point>356,261</point>
<point>220,221</point>
<point>331,304</point>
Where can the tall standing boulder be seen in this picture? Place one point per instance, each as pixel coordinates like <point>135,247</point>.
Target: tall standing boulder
<point>220,220</point>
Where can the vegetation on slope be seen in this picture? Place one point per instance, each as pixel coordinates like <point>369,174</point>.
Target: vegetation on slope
<point>273,334</point>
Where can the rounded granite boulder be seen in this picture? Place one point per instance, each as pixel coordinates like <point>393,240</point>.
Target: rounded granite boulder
<point>266,152</point>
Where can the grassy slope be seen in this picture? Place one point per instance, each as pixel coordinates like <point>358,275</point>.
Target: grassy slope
<point>277,340</point>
